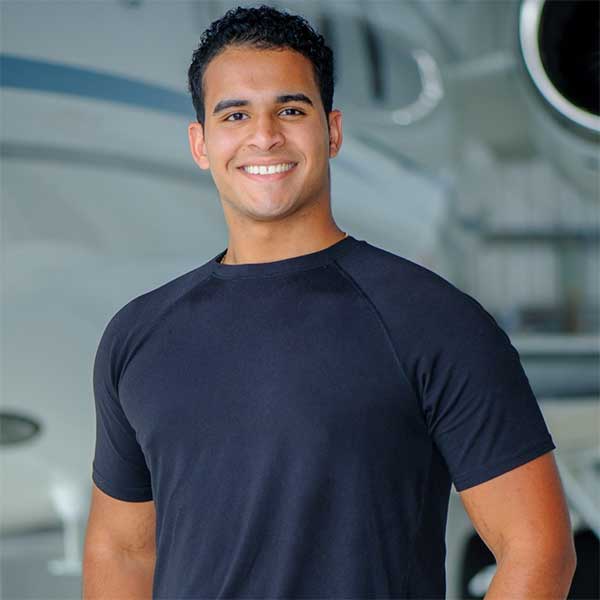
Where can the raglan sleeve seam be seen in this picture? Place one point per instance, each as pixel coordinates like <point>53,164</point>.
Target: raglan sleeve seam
<point>388,336</point>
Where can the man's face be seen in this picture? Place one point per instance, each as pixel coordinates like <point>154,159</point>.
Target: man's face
<point>249,122</point>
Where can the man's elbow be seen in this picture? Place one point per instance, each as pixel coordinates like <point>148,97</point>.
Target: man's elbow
<point>564,557</point>
<point>571,562</point>
<point>551,545</point>
<point>558,560</point>
<point>564,566</point>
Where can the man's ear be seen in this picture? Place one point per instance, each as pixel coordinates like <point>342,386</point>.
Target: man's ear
<point>198,144</point>
<point>335,132</point>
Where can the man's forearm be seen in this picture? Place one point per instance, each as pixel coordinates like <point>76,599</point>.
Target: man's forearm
<point>519,578</point>
<point>118,575</point>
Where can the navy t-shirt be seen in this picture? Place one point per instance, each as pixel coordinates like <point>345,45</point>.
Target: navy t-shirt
<point>299,423</point>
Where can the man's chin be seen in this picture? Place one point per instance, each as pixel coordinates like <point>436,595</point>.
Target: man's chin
<point>262,210</point>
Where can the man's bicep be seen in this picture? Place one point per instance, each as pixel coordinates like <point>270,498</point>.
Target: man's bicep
<point>522,511</point>
<point>115,525</point>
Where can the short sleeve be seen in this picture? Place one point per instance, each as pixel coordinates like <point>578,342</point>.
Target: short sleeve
<point>119,467</point>
<point>480,409</point>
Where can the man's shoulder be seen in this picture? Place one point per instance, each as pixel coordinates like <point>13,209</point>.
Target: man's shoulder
<point>407,293</point>
<point>383,271</point>
<point>145,307</point>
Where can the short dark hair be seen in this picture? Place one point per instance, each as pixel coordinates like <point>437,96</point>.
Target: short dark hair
<point>265,28</point>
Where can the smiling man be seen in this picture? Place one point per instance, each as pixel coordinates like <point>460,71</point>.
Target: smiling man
<point>267,140</point>
<point>287,419</point>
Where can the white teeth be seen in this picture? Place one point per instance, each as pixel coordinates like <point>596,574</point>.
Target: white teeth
<point>268,170</point>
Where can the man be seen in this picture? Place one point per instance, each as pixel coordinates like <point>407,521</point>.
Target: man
<point>287,419</point>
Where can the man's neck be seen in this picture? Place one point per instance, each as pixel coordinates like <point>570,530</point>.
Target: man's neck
<point>225,259</point>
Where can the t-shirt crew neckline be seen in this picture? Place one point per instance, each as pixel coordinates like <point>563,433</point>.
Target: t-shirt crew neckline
<point>286,265</point>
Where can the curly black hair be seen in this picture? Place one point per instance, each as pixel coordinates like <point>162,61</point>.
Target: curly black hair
<point>265,28</point>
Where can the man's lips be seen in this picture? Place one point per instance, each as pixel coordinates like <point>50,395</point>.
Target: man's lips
<point>268,177</point>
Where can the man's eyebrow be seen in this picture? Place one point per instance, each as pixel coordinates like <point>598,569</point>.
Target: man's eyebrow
<point>294,98</point>
<point>234,102</point>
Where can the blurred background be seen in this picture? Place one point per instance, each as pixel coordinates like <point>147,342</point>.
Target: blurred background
<point>471,146</point>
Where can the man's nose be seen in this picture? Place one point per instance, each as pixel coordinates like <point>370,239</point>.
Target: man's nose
<point>266,133</point>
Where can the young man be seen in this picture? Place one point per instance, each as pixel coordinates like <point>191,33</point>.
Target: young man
<point>286,420</point>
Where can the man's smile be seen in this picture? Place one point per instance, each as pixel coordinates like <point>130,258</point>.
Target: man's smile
<point>264,173</point>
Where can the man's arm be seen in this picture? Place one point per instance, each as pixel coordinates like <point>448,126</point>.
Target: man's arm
<point>119,550</point>
<point>522,517</point>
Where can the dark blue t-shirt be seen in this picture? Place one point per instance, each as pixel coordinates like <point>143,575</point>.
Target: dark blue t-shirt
<point>299,423</point>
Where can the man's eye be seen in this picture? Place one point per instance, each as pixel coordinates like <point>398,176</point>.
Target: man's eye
<point>298,111</point>
<point>232,115</point>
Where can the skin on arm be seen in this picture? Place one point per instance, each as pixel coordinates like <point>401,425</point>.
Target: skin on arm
<point>119,550</point>
<point>522,517</point>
